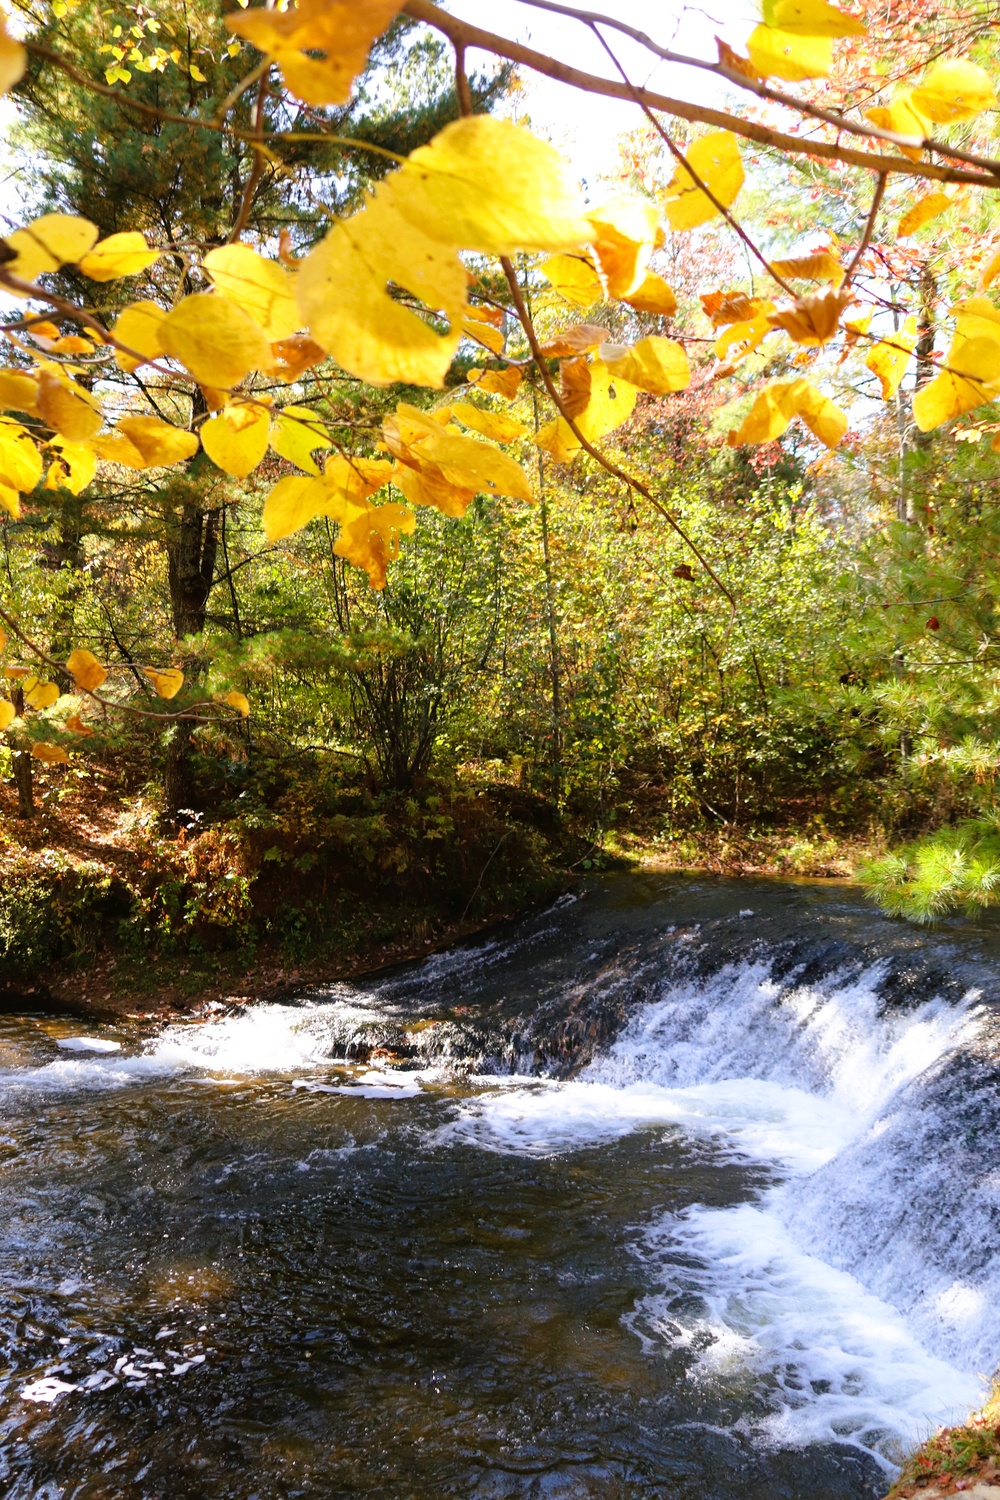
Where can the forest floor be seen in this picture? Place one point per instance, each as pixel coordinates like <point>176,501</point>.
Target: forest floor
<point>100,913</point>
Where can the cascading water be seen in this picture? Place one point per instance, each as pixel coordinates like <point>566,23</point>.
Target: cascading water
<point>734,1233</point>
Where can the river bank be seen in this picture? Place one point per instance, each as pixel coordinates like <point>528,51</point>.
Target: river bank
<point>103,912</point>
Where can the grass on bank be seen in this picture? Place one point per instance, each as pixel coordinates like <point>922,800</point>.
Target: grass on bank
<point>956,1457</point>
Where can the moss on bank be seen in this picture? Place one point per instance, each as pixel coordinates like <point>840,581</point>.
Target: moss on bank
<point>955,1459</point>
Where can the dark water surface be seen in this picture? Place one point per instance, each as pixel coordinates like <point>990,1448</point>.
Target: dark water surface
<point>265,1271</point>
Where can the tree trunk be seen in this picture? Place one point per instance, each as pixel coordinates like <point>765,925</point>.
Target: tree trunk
<point>23,778</point>
<point>191,557</point>
<point>926,368</point>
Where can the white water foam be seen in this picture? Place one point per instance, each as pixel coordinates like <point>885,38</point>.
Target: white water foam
<point>796,1078</point>
<point>262,1040</point>
<point>837,1363</point>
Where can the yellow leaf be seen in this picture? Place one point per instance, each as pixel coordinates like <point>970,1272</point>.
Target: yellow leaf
<point>343,30</point>
<point>559,441</point>
<point>263,289</point>
<point>159,443</point>
<point>741,339</point>
<point>854,329</point>
<point>80,464</point>
<point>72,343</point>
<point>13,58</point>
<point>903,117</point>
<point>197,74</point>
<point>489,424</point>
<point>888,360</point>
<point>72,411</point>
<point>626,231</point>
<point>582,338</point>
<point>296,434</point>
<point>75,725</point>
<point>464,462</point>
<point>814,18</point>
<point>574,278</point>
<point>167,682</point>
<point>41,695</point>
<point>972,368</point>
<point>237,439</point>
<point>733,307</point>
<point>824,420</point>
<point>138,328</point>
<point>8,713</point>
<point>485,184</point>
<point>654,364</point>
<point>481,184</point>
<point>783,54</point>
<point>494,316</point>
<point>47,243</point>
<point>369,537</point>
<point>10,501</point>
<point>715,160</point>
<point>3,639</point>
<point>292,357</point>
<point>293,503</point>
<point>987,277</point>
<point>953,89</point>
<point>482,333</point>
<point>239,701</point>
<point>822,265</point>
<point>777,405</point>
<point>50,755</point>
<point>343,294</point>
<point>214,339</point>
<point>85,670</point>
<point>597,401</point>
<point>504,383</point>
<point>428,486</point>
<point>145,443</point>
<point>18,390</point>
<point>20,461</point>
<point>811,320</point>
<point>926,208</point>
<point>119,255</point>
<point>653,296</point>
<point>355,479</point>
<point>298,499</point>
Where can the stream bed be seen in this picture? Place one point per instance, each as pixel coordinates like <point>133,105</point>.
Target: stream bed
<point>682,1188</point>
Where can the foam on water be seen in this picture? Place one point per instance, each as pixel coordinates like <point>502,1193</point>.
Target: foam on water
<point>265,1039</point>
<point>762,1295</point>
<point>834,1362</point>
<point>769,1121</point>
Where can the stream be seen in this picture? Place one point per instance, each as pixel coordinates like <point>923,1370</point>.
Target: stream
<point>683,1188</point>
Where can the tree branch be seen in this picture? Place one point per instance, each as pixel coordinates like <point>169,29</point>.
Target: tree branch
<point>464,33</point>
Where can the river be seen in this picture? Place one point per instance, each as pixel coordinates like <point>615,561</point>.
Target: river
<point>682,1188</point>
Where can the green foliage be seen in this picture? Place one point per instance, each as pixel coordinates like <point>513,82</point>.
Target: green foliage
<point>954,869</point>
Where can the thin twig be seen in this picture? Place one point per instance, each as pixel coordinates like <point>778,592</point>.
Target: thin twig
<point>682,161</point>
<point>606,463</point>
<point>866,238</point>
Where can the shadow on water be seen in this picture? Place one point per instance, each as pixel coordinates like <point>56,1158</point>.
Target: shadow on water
<point>330,1249</point>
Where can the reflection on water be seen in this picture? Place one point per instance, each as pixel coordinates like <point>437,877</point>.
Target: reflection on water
<point>231,1266</point>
